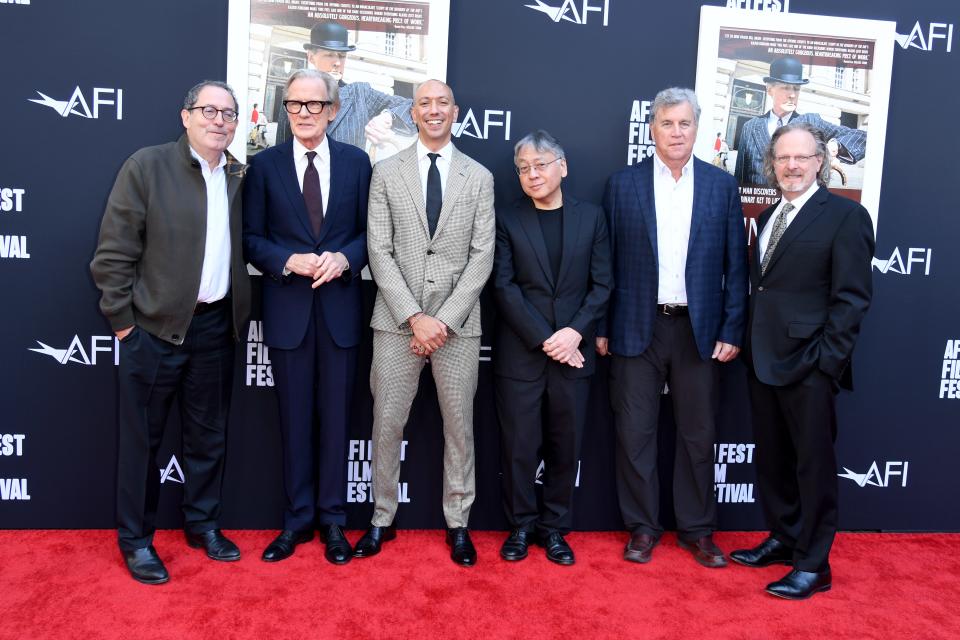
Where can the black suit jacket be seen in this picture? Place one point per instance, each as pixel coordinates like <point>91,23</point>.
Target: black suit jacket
<point>805,311</point>
<point>531,305</point>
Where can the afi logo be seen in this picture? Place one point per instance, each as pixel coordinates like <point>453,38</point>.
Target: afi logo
<point>172,472</point>
<point>935,31</point>
<point>491,118</point>
<point>895,470</point>
<point>896,264</point>
<point>538,477</point>
<point>76,353</point>
<point>77,105</point>
<point>571,11</point>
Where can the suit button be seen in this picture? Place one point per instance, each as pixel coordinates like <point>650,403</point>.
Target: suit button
<point>175,336</point>
<point>429,252</point>
<point>759,288</point>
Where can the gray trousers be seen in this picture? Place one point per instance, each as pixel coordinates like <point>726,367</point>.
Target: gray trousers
<point>394,379</point>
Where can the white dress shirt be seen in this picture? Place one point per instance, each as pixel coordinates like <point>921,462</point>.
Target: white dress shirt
<point>674,203</point>
<point>321,162</point>
<point>215,274</point>
<point>764,238</point>
<point>773,121</point>
<point>443,165</point>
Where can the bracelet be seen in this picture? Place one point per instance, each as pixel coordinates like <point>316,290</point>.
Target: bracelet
<point>416,317</point>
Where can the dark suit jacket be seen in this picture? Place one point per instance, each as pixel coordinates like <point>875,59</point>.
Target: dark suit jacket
<point>532,305</point>
<point>276,225</point>
<point>805,311</point>
<point>716,269</point>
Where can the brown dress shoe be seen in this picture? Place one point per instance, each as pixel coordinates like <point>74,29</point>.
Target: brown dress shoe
<point>640,547</point>
<point>704,551</point>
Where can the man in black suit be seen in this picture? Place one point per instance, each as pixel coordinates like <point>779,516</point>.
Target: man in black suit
<point>811,284</point>
<point>551,283</point>
<point>305,228</point>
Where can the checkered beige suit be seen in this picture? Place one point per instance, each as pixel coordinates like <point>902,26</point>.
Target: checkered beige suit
<point>441,276</point>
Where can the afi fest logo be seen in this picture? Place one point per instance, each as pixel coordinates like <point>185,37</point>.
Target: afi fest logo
<point>172,472</point>
<point>928,40</point>
<point>894,473</point>
<point>917,261</point>
<point>76,353</point>
<point>77,104</point>
<point>572,11</point>
<point>492,119</point>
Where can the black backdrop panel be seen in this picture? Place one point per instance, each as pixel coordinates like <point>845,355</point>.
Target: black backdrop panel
<point>118,70</point>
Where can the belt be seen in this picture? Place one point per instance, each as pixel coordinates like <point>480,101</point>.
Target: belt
<point>673,309</point>
<point>207,307</point>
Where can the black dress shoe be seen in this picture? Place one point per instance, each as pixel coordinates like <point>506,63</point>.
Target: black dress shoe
<point>704,551</point>
<point>557,548</point>
<point>146,566</point>
<point>217,546</point>
<point>515,546</point>
<point>800,585</point>
<point>338,547</point>
<point>283,545</point>
<point>461,548</point>
<point>770,551</point>
<point>640,547</point>
<point>372,540</point>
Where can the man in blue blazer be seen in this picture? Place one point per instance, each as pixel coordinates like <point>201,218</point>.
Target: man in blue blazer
<point>305,228</point>
<point>678,308</point>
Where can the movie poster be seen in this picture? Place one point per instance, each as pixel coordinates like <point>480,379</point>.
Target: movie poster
<point>379,51</point>
<point>757,71</point>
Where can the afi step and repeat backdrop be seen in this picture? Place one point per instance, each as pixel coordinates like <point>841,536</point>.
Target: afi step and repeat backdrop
<point>86,84</point>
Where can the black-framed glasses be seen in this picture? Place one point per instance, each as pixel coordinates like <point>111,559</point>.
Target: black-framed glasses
<point>210,113</point>
<point>315,107</point>
<point>539,166</point>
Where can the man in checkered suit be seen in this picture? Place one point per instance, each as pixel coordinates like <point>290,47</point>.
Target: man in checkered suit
<point>430,239</point>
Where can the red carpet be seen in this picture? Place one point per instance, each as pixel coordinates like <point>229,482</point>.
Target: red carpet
<point>72,584</point>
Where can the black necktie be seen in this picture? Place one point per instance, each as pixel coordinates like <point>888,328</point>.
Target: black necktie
<point>312,196</point>
<point>434,193</point>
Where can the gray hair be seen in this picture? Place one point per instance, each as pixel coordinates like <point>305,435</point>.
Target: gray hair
<point>190,100</point>
<point>539,140</point>
<point>333,87</point>
<point>672,97</point>
<point>823,177</point>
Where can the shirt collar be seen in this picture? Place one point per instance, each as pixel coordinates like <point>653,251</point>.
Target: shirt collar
<point>445,152</point>
<point>664,170</point>
<point>322,149</point>
<point>204,163</point>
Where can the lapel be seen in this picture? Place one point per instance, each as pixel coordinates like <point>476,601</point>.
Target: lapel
<point>807,214</point>
<point>410,173</point>
<point>527,214</point>
<point>571,231</point>
<point>337,175</point>
<point>643,183</point>
<point>700,187</point>
<point>288,177</point>
<point>346,105</point>
<point>456,180</point>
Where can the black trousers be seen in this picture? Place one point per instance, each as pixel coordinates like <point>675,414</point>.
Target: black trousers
<point>795,428</point>
<point>152,373</point>
<point>636,385</point>
<point>314,383</point>
<point>546,415</point>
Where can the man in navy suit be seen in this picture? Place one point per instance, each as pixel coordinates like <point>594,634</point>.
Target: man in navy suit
<point>812,286</point>
<point>305,228</point>
<point>678,309</point>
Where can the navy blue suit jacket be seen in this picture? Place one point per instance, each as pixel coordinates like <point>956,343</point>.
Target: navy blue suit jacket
<point>276,225</point>
<point>716,269</point>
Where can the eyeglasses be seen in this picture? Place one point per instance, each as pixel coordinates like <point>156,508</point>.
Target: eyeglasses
<point>539,166</point>
<point>801,160</point>
<point>210,113</point>
<point>315,107</point>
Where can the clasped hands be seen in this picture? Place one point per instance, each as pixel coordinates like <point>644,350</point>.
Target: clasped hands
<point>322,268</point>
<point>429,334</point>
<point>563,346</point>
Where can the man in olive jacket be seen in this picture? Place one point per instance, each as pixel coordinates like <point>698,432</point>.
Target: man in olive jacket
<point>176,293</point>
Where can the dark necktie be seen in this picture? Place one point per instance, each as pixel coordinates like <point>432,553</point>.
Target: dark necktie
<point>779,226</point>
<point>434,193</point>
<point>312,196</point>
